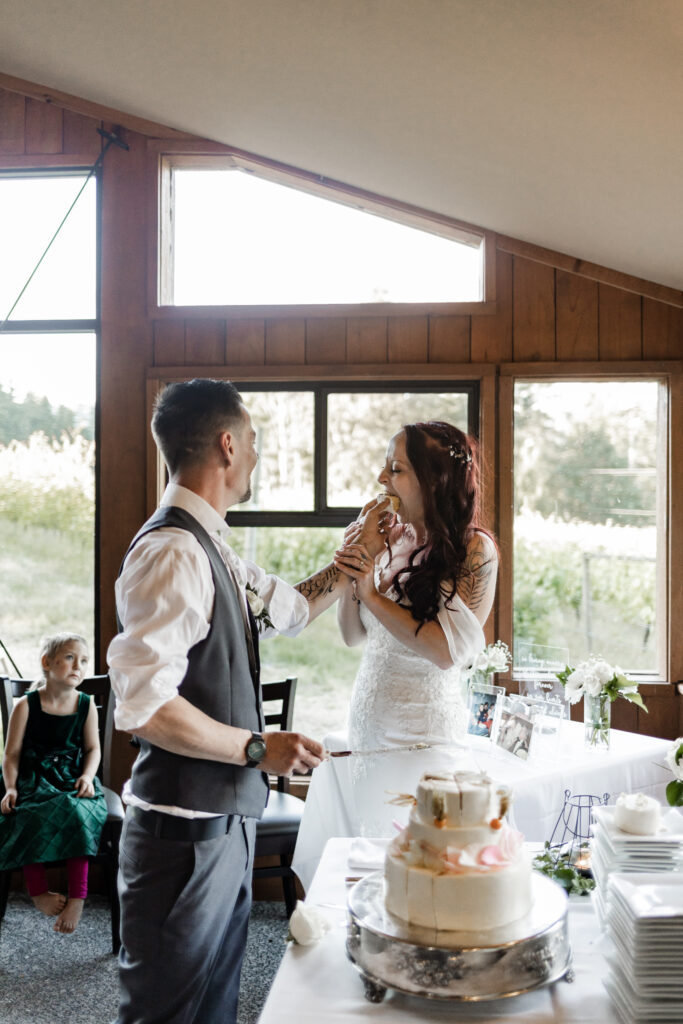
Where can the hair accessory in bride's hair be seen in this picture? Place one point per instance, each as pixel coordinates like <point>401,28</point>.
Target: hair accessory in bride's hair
<point>459,454</point>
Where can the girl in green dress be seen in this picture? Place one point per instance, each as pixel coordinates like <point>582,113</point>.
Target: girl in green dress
<point>54,807</point>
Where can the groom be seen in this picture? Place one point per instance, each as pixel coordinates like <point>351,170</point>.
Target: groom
<point>185,671</point>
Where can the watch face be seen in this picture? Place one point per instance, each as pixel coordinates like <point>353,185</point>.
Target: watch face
<point>256,750</point>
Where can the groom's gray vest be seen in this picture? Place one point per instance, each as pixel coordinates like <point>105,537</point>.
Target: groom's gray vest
<point>220,683</point>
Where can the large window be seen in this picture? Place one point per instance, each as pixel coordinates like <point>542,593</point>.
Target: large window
<point>321,449</point>
<point>47,411</point>
<point>589,466</point>
<point>239,233</point>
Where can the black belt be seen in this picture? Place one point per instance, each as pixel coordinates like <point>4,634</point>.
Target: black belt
<point>170,826</point>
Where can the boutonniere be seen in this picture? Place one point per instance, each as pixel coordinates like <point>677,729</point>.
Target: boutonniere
<point>258,608</point>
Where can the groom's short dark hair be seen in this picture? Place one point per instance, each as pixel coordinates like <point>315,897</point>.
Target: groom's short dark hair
<point>189,415</point>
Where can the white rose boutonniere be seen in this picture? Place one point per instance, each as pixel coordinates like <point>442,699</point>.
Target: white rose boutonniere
<point>258,608</point>
<point>307,925</point>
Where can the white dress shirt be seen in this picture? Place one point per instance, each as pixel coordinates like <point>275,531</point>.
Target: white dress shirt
<point>165,597</point>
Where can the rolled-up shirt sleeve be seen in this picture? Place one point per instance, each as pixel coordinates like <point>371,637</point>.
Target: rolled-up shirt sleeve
<point>164,598</point>
<point>287,608</point>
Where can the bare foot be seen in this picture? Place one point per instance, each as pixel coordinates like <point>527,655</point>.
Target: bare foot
<point>69,917</point>
<point>49,903</point>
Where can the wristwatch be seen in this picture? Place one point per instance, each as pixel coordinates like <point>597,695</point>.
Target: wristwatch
<point>256,750</point>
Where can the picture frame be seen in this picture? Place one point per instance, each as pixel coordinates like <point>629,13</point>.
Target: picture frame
<point>515,733</point>
<point>482,708</point>
<point>536,668</point>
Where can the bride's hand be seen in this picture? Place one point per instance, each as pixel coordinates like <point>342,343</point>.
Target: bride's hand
<point>369,529</point>
<point>356,561</point>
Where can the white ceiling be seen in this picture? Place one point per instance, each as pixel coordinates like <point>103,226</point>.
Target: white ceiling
<point>559,122</point>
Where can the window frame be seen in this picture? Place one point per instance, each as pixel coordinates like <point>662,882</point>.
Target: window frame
<point>669,651</point>
<point>164,156</point>
<point>76,326</point>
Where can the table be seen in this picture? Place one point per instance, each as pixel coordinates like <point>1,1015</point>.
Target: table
<point>633,764</point>
<point>316,983</point>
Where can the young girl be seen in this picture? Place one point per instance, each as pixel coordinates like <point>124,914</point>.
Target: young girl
<point>54,807</point>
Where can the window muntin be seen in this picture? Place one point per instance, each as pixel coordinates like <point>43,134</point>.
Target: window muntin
<point>31,209</point>
<point>237,237</point>
<point>587,497</point>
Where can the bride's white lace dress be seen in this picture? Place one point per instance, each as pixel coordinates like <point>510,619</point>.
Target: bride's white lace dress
<point>399,700</point>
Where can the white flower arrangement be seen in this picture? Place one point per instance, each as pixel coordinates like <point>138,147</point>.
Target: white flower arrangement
<point>258,608</point>
<point>494,658</point>
<point>674,761</point>
<point>595,678</point>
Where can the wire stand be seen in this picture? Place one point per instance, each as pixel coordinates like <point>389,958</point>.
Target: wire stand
<point>573,829</point>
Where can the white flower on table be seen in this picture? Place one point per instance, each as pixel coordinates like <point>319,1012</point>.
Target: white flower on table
<point>674,758</point>
<point>307,925</point>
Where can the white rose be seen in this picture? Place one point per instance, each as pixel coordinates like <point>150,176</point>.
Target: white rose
<point>676,763</point>
<point>593,684</point>
<point>499,661</point>
<point>481,662</point>
<point>256,603</point>
<point>307,925</point>
<point>602,671</point>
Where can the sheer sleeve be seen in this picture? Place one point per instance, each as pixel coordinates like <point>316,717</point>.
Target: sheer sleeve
<point>464,635</point>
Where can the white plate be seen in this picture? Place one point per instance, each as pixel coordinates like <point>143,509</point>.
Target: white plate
<point>670,833</point>
<point>650,897</point>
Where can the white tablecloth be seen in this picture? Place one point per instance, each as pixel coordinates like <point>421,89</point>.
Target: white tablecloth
<point>633,764</point>
<point>318,983</point>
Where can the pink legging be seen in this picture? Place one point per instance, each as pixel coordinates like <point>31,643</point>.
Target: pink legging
<point>77,871</point>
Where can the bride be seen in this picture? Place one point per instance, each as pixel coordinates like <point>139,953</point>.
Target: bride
<point>423,587</point>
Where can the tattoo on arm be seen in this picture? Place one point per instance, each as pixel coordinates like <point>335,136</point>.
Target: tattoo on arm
<point>475,578</point>
<point>320,584</point>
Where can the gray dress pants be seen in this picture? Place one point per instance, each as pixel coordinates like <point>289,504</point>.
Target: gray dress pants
<point>184,915</point>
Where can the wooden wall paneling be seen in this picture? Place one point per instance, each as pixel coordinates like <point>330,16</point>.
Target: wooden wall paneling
<point>12,122</point>
<point>44,123</point>
<point>80,135</point>
<point>505,509</point>
<point>245,342</point>
<point>576,317</point>
<point>662,331</point>
<point>624,715</point>
<point>533,311</point>
<point>449,339</point>
<point>407,339</point>
<point>620,323</point>
<point>169,342</point>
<point>326,340</point>
<point>285,341</point>
<point>661,718</point>
<point>366,339</point>
<point>491,336</point>
<point>205,342</point>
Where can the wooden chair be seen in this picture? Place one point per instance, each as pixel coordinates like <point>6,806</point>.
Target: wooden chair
<point>277,830</point>
<point>99,688</point>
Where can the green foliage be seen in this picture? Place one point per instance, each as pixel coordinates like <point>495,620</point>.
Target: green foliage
<point>674,793</point>
<point>19,420</point>
<point>558,867</point>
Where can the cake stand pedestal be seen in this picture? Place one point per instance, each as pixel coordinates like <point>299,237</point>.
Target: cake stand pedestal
<point>466,966</point>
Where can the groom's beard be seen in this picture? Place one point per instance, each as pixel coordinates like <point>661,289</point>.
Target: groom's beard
<point>246,496</point>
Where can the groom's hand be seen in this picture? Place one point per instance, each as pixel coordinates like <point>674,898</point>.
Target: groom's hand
<point>368,529</point>
<point>288,752</point>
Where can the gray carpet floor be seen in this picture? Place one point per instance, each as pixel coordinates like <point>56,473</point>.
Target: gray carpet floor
<point>47,978</point>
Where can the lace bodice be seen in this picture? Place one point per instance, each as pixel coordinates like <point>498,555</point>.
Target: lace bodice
<point>401,698</point>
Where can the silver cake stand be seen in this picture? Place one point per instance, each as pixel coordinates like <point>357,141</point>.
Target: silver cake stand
<point>389,953</point>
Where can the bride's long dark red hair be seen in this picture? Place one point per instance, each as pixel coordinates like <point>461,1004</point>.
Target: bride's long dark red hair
<point>446,463</point>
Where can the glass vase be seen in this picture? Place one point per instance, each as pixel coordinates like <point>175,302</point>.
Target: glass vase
<point>596,721</point>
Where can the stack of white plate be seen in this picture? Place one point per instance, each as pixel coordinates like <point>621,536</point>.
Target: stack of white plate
<point>613,850</point>
<point>645,920</point>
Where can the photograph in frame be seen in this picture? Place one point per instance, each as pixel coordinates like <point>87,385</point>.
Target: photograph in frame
<point>482,706</point>
<point>514,733</point>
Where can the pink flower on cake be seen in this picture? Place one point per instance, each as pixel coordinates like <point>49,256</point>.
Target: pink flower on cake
<point>492,857</point>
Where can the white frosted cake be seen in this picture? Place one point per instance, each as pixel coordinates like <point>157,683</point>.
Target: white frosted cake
<point>458,866</point>
<point>638,814</point>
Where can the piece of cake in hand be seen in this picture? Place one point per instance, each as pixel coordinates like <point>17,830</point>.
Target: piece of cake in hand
<point>638,814</point>
<point>458,866</point>
<point>394,501</point>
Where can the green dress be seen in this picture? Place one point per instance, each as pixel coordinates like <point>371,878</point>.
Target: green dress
<point>50,822</point>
